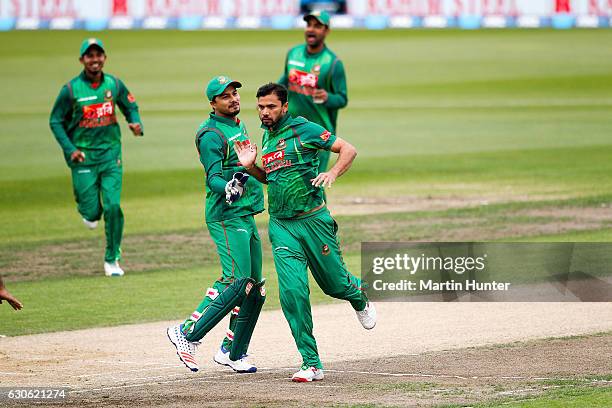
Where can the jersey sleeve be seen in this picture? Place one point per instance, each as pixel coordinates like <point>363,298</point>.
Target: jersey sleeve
<point>211,156</point>
<point>314,136</point>
<point>338,97</point>
<point>127,104</point>
<point>60,115</point>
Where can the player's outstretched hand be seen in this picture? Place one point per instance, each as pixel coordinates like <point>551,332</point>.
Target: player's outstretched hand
<point>247,153</point>
<point>13,301</point>
<point>324,179</point>
<point>136,128</point>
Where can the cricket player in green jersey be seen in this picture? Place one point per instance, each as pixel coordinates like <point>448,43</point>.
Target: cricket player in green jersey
<point>232,200</point>
<point>301,229</point>
<point>84,122</point>
<point>315,79</point>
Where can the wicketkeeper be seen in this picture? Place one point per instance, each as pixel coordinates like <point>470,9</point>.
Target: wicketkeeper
<point>232,199</point>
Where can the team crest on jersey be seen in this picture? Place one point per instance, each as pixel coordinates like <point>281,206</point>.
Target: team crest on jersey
<point>316,69</point>
<point>325,135</point>
<point>325,249</point>
<point>108,95</point>
<point>281,144</point>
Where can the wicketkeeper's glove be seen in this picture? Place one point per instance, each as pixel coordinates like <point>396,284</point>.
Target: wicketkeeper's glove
<point>234,189</point>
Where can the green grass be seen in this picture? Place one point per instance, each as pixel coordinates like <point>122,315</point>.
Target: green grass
<point>564,397</point>
<point>520,116</point>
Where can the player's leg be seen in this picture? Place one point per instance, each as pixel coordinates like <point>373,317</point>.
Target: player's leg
<point>111,175</point>
<point>294,292</point>
<point>318,234</point>
<point>86,188</point>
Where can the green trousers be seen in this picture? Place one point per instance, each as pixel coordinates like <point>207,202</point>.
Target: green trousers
<point>239,248</point>
<point>299,244</point>
<point>97,190</point>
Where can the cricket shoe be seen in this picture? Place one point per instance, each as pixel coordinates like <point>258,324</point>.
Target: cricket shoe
<point>367,317</point>
<point>308,374</point>
<point>90,224</point>
<point>113,269</point>
<point>240,366</point>
<point>185,349</point>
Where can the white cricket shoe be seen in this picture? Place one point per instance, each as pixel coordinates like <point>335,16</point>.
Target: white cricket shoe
<point>185,349</point>
<point>90,224</point>
<point>308,374</point>
<point>367,317</point>
<point>240,366</point>
<point>113,269</point>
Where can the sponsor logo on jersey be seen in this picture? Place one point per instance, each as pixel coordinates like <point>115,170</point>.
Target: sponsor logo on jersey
<point>212,293</point>
<point>303,79</point>
<point>131,98</point>
<point>275,160</point>
<point>281,144</point>
<point>108,95</point>
<point>268,158</point>
<point>325,249</point>
<point>325,135</point>
<point>98,114</point>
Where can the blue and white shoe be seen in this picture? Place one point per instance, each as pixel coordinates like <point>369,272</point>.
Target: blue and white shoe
<point>240,366</point>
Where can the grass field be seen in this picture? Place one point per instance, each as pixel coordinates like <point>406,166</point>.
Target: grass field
<point>461,136</point>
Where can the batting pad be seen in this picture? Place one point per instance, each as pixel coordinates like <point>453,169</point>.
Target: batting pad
<point>231,297</point>
<point>246,320</point>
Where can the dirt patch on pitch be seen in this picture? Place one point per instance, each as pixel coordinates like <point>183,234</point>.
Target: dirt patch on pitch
<point>461,376</point>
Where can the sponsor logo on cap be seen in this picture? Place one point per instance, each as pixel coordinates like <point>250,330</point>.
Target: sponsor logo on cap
<point>92,41</point>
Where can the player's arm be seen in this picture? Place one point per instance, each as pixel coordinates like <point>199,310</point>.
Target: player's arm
<point>60,113</point>
<point>247,155</point>
<point>346,155</point>
<point>337,96</point>
<point>6,295</point>
<point>129,108</point>
<point>211,156</point>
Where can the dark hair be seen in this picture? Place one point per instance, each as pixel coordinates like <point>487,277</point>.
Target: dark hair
<point>271,88</point>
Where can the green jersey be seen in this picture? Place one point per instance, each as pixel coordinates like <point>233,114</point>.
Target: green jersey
<point>305,72</point>
<point>214,141</point>
<point>84,118</point>
<point>290,158</point>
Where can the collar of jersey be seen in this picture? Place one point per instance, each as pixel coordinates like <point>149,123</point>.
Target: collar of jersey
<point>227,121</point>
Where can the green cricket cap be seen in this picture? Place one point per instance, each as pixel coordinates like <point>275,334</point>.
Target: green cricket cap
<point>321,16</point>
<point>217,85</point>
<point>89,42</point>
